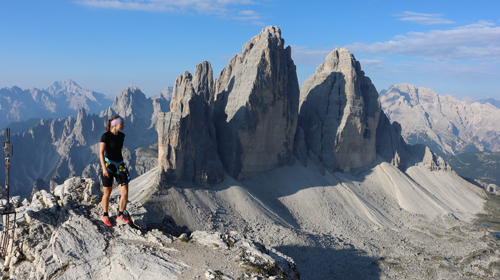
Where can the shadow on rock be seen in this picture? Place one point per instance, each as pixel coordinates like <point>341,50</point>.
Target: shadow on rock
<point>169,226</point>
<point>329,263</point>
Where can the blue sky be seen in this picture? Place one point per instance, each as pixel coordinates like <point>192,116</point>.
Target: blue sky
<point>452,47</point>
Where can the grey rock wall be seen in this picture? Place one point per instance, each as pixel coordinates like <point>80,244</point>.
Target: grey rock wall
<point>187,148</point>
<point>256,105</point>
<point>339,111</point>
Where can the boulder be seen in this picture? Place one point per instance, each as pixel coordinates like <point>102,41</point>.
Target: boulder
<point>256,105</point>
<point>339,111</point>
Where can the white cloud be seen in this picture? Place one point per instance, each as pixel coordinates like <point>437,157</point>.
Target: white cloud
<point>259,23</point>
<point>426,19</point>
<point>220,7</point>
<point>247,15</point>
<point>309,56</point>
<point>480,41</point>
<point>372,64</point>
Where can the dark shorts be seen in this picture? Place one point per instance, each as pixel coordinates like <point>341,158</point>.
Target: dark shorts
<point>115,170</point>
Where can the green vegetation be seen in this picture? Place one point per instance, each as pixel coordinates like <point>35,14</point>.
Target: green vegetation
<point>492,213</point>
<point>43,202</point>
<point>266,269</point>
<point>229,242</point>
<point>21,258</point>
<point>482,166</point>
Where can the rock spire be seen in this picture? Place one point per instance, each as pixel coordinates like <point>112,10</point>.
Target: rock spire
<point>339,111</point>
<point>187,148</point>
<point>256,105</point>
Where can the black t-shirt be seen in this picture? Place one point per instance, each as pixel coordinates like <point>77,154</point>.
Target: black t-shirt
<point>114,145</point>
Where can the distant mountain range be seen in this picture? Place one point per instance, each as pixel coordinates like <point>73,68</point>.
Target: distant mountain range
<point>447,125</point>
<point>60,100</point>
<point>50,150</point>
<point>490,100</point>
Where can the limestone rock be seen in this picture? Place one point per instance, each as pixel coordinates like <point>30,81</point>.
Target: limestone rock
<point>339,111</point>
<point>444,124</point>
<point>250,252</point>
<point>68,241</point>
<point>161,103</point>
<point>187,148</point>
<point>145,160</point>
<point>209,239</point>
<point>256,103</point>
<point>157,236</point>
<point>38,185</point>
<point>393,148</point>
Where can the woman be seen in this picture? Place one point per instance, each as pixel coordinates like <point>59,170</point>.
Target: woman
<point>110,153</point>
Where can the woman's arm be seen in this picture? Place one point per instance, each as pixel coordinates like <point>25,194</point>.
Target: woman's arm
<point>102,148</point>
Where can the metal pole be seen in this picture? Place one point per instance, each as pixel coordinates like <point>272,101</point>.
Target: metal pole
<point>9,225</point>
<point>9,151</point>
<point>7,162</point>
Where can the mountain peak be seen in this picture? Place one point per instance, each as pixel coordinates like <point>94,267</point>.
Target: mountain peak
<point>129,93</point>
<point>445,124</point>
<point>68,85</point>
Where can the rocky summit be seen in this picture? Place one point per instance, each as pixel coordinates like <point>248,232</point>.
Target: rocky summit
<point>339,111</point>
<point>187,148</point>
<point>256,106</point>
<point>245,119</point>
<point>60,236</point>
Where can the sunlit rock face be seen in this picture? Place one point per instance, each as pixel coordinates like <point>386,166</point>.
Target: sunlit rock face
<point>339,111</point>
<point>446,125</point>
<point>256,106</point>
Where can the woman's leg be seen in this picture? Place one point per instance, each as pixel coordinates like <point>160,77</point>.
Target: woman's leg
<point>124,197</point>
<point>105,198</point>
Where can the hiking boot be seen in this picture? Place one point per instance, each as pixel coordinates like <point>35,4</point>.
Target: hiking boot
<point>106,221</point>
<point>121,219</point>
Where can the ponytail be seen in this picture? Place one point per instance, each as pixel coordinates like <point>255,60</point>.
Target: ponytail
<point>108,124</point>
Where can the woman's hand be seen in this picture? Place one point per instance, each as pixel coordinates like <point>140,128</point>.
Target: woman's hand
<point>105,172</point>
